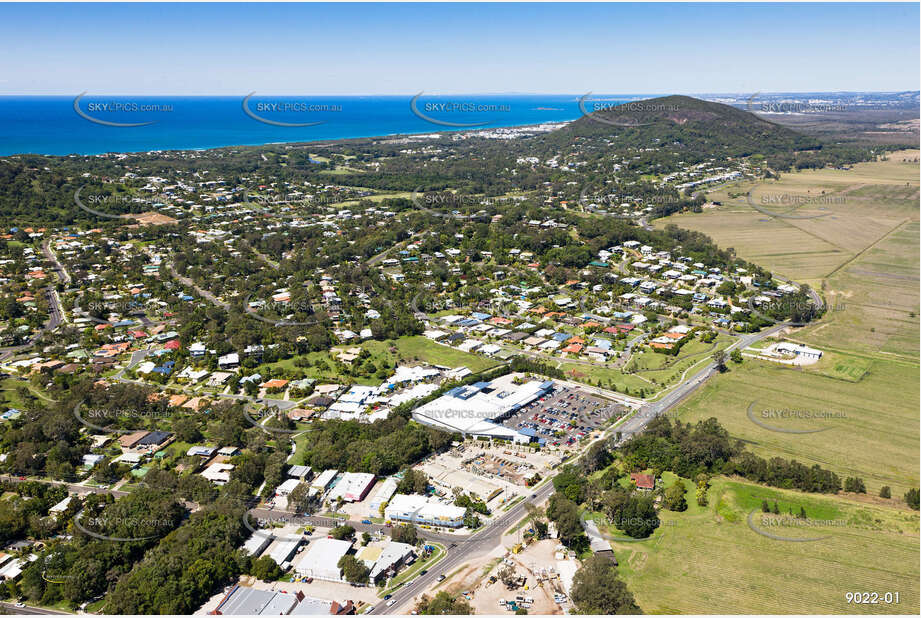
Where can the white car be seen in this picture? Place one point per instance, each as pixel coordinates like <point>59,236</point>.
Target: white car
<point>391,602</point>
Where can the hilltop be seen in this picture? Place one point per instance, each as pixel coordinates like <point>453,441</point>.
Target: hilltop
<point>701,126</point>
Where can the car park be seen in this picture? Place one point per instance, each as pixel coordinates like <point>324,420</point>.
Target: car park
<point>564,417</point>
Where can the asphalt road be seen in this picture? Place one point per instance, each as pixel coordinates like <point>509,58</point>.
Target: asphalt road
<point>71,487</point>
<point>56,317</point>
<point>203,293</point>
<point>63,275</point>
<point>490,537</point>
<point>54,309</point>
<point>462,548</point>
<point>264,514</point>
<point>10,608</point>
<point>467,548</point>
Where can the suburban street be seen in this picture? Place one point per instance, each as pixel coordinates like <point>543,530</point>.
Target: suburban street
<point>12,608</point>
<point>488,538</point>
<point>63,275</point>
<point>459,548</point>
<point>71,487</point>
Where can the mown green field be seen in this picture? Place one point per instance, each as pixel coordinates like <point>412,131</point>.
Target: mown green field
<point>9,395</point>
<point>667,370</point>
<point>868,428</point>
<point>406,350</point>
<point>707,560</point>
<point>646,370</point>
<point>607,377</point>
<point>423,349</point>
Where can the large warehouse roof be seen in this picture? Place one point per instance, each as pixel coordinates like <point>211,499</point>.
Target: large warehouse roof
<point>321,560</point>
<point>352,487</point>
<point>245,601</point>
<point>471,409</point>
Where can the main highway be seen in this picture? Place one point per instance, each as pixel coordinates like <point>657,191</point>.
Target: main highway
<point>462,549</point>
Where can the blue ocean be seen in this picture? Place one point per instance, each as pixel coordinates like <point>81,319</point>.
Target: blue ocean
<point>94,124</point>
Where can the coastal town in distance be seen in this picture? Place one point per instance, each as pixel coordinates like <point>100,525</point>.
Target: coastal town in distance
<point>435,353</point>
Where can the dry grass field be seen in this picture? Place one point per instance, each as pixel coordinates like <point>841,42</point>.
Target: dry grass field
<point>863,257</point>
<point>861,252</point>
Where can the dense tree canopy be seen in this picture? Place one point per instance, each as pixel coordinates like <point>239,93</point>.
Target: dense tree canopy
<point>597,589</point>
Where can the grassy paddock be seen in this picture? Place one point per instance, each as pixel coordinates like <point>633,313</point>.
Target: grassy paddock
<point>707,560</point>
<point>862,255</point>
<point>869,428</point>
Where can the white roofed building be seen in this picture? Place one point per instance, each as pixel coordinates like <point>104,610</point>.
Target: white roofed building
<point>416,509</point>
<point>382,495</point>
<point>322,480</point>
<point>352,487</point>
<point>284,549</point>
<point>321,559</point>
<point>258,542</point>
<point>473,410</point>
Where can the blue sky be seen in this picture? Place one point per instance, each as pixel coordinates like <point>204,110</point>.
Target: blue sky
<point>450,48</point>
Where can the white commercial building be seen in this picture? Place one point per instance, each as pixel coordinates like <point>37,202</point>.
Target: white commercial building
<point>381,496</point>
<point>284,549</point>
<point>287,487</point>
<point>321,560</point>
<point>352,487</point>
<point>473,410</point>
<point>258,542</point>
<point>322,480</point>
<point>416,509</point>
<point>797,349</point>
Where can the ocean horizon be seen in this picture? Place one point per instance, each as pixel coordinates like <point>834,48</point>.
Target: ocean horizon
<point>95,124</point>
